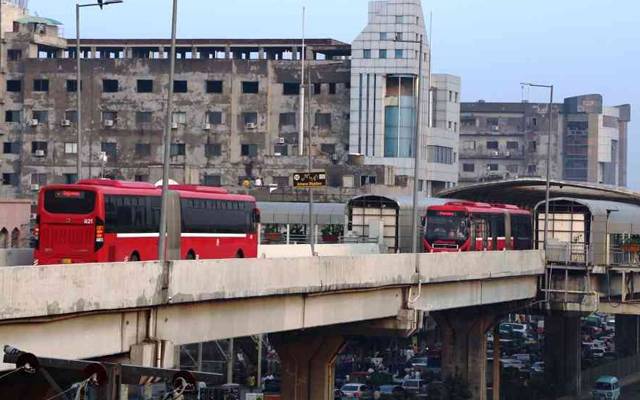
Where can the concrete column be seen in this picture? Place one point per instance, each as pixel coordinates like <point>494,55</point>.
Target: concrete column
<point>294,53</point>
<point>261,53</point>
<point>194,52</point>
<point>147,354</point>
<point>227,52</point>
<point>627,330</point>
<point>128,53</point>
<point>563,353</point>
<point>307,364</point>
<point>464,347</point>
<point>93,52</point>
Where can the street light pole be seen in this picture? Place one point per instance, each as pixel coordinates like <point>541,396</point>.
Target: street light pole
<point>162,240</point>
<point>79,83</point>
<point>548,169</point>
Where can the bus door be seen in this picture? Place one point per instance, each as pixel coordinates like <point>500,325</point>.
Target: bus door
<point>479,233</point>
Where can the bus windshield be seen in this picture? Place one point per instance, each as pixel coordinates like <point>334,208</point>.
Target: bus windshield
<point>446,225</point>
<point>69,201</point>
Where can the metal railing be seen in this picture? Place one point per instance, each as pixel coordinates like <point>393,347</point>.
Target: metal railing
<point>623,257</point>
<point>568,253</point>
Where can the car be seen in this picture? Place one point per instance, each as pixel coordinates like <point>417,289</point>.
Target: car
<point>337,394</point>
<point>355,391</point>
<point>413,385</point>
<point>392,392</point>
<point>514,363</point>
<point>538,367</point>
<point>606,388</point>
<point>526,358</point>
<point>597,352</point>
<point>418,361</point>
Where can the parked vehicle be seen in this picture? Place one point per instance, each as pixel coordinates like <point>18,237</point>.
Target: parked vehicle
<point>356,391</point>
<point>413,385</point>
<point>606,388</point>
<point>538,367</point>
<point>392,392</point>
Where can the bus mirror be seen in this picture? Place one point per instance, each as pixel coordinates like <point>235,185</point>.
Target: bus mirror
<point>256,216</point>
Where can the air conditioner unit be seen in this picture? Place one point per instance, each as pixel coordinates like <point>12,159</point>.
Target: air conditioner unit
<point>251,125</point>
<point>108,122</point>
<point>65,122</point>
<point>282,140</point>
<point>34,122</point>
<point>39,153</point>
<point>206,126</point>
<point>174,125</point>
<point>495,153</point>
<point>35,187</point>
<point>495,128</point>
<point>277,154</point>
<point>507,154</point>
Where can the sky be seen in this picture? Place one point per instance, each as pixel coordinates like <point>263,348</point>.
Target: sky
<point>580,46</point>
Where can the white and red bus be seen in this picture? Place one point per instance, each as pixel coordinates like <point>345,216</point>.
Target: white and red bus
<point>471,226</point>
<point>102,220</point>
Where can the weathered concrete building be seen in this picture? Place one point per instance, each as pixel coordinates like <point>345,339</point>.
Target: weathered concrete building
<point>509,140</point>
<point>235,113</point>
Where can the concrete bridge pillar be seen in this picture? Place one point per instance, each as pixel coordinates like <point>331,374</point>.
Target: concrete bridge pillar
<point>563,353</point>
<point>627,330</point>
<point>307,365</point>
<point>464,347</point>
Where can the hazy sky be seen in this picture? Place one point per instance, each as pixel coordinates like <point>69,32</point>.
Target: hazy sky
<point>581,46</point>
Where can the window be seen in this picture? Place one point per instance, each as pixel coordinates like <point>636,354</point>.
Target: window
<point>180,86</point>
<point>131,214</point>
<point>366,53</point>
<point>143,149</point>
<point>440,155</point>
<point>214,117</point>
<point>41,115</point>
<point>212,150</point>
<point>72,85</point>
<point>177,149</point>
<point>399,19</point>
<point>12,116</point>
<point>71,148</point>
<point>14,85</point>
<point>39,149</point>
<point>71,116</point>
<point>332,88</point>
<point>399,53</point>
<point>534,121</point>
<point>145,86</point>
<point>290,88</point>
<point>109,116</point>
<point>513,145</point>
<point>249,150</point>
<point>468,121</point>
<point>492,167</point>
<point>398,36</point>
<point>250,118</point>
<point>250,87</point>
<point>455,126</point>
<point>143,117</point>
<point>212,180</point>
<point>179,117</point>
<point>323,120</point>
<point>468,167</point>
<point>450,95</point>
<point>14,54</point>
<point>532,169</point>
<point>382,53</point>
<point>288,119</point>
<point>111,150</point>
<point>11,148</point>
<point>328,148</point>
<point>450,125</point>
<point>469,145</point>
<point>39,179</point>
<point>141,178</point>
<point>109,85</point>
<point>383,35</point>
<point>10,179</point>
<point>493,122</point>
<point>533,147</point>
<point>281,181</point>
<point>455,97</point>
<point>70,179</point>
<point>492,145</point>
<point>281,149</point>
<point>317,88</point>
<point>367,180</point>
<point>40,85</point>
<point>214,86</point>
<point>512,168</point>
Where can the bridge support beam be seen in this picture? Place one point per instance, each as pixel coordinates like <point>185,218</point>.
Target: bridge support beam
<point>158,354</point>
<point>464,346</point>
<point>307,363</point>
<point>627,335</point>
<point>563,353</point>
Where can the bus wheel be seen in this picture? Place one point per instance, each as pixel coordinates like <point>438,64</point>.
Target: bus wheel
<point>239,254</point>
<point>191,255</point>
<point>134,256</point>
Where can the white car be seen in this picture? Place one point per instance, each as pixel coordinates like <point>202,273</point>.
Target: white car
<point>355,391</point>
<point>538,367</point>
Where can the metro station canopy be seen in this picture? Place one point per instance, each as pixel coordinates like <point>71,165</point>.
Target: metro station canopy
<point>527,192</point>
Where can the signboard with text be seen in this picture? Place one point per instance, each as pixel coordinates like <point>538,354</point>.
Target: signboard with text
<point>305,180</point>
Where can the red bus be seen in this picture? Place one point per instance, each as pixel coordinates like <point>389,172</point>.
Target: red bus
<point>471,226</point>
<point>102,220</point>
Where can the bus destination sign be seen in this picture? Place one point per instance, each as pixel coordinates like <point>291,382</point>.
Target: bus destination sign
<point>302,180</point>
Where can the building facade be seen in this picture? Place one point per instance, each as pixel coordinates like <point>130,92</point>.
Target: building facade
<point>235,114</point>
<point>509,140</point>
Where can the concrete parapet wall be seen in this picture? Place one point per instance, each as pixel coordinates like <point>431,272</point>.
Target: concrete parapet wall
<point>9,257</point>
<point>322,250</point>
<point>28,292</point>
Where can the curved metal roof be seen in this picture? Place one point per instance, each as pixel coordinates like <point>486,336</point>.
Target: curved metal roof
<point>38,20</point>
<point>298,213</point>
<point>527,192</point>
<point>403,202</point>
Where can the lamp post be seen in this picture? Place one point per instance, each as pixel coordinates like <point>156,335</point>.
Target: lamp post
<point>100,4</point>
<point>548,172</point>
<point>162,240</point>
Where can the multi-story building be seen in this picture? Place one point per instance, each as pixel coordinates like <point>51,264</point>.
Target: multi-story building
<point>508,140</point>
<point>235,113</point>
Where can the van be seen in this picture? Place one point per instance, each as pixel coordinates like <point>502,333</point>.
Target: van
<point>606,388</point>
